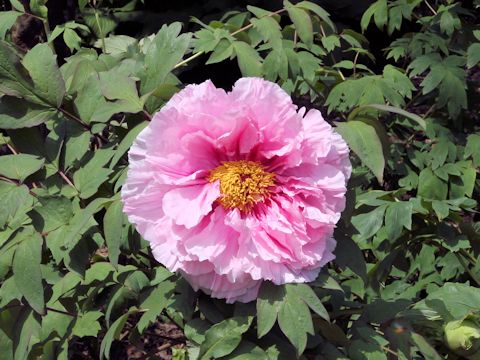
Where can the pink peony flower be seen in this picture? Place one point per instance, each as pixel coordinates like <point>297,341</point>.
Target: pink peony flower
<point>231,189</point>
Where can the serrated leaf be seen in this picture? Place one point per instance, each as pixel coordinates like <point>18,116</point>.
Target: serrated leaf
<point>302,22</point>
<point>169,46</point>
<point>26,269</point>
<point>318,10</point>
<point>249,61</point>
<point>269,29</point>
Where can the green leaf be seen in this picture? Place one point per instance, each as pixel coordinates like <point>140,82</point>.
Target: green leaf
<point>430,186</point>
<point>318,10</point>
<point>248,351</point>
<point>472,149</point>
<point>55,212</point>
<point>473,55</point>
<point>222,51</point>
<point>425,348</point>
<point>302,22</point>
<point>113,333</point>
<point>195,330</point>
<point>369,223</point>
<point>249,61</point>
<point>169,46</point>
<point>268,304</point>
<point>72,40</point>
<point>394,110</point>
<point>348,254</point>
<point>269,29</point>
<point>17,113</point>
<point>126,142</point>
<point>154,304</point>
<point>86,324</point>
<point>7,19</point>
<point>19,166</point>
<point>331,42</point>
<point>441,208</point>
<point>100,24</point>
<point>379,11</point>
<point>295,320</point>
<point>115,226</point>
<point>222,338</point>
<point>117,86</point>
<point>365,142</point>
<point>398,216</point>
<point>464,185</point>
<point>306,293</point>
<point>80,223</point>
<point>26,269</point>
<point>14,201</point>
<point>87,184</point>
<point>17,5</point>
<point>48,81</point>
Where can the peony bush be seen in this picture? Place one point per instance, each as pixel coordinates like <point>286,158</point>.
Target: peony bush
<point>267,180</point>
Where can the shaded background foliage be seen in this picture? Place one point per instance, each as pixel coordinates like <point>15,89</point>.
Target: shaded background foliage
<point>80,79</point>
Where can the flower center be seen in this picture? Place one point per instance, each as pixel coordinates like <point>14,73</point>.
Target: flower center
<point>242,183</point>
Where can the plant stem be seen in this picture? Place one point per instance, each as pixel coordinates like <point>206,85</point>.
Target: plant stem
<point>430,7</point>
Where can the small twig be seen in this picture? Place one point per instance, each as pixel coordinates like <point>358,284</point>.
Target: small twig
<point>390,351</point>
<point>81,123</point>
<point>12,149</point>
<point>67,180</point>
<point>430,7</point>
<point>147,115</point>
<point>61,312</point>
<point>75,118</point>
<point>295,39</point>
<point>181,340</point>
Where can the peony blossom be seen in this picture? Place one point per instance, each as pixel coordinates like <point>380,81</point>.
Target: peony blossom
<point>234,188</point>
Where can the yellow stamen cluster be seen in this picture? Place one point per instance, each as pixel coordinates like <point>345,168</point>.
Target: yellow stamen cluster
<point>242,183</point>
